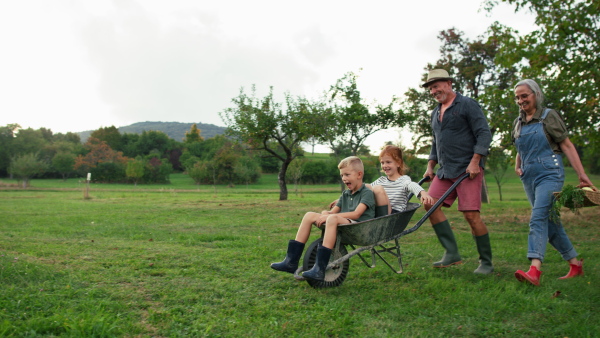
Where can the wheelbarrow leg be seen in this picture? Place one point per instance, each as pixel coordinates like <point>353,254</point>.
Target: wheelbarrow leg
<point>393,250</point>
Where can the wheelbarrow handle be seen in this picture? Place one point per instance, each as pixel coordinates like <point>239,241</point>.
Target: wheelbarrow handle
<point>436,205</point>
<point>423,180</point>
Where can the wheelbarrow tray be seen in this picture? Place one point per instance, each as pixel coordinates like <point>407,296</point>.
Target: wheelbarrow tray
<point>378,229</point>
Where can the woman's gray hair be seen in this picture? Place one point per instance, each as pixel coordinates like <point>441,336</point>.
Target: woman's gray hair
<point>535,88</point>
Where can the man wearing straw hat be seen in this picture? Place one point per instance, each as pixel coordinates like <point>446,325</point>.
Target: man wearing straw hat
<point>461,140</point>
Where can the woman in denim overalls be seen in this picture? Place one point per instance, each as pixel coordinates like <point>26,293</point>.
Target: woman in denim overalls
<point>539,164</point>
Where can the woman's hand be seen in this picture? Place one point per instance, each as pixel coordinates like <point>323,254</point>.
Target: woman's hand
<point>584,181</point>
<point>519,171</point>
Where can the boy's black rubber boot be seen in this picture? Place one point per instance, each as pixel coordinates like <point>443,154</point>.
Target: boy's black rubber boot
<point>290,263</point>
<point>318,270</point>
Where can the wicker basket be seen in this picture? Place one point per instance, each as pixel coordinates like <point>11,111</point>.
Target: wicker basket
<point>590,199</point>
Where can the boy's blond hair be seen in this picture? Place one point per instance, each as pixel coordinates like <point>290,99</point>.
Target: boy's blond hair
<point>354,162</point>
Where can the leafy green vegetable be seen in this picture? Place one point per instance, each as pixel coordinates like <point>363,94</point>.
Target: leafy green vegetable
<point>570,197</point>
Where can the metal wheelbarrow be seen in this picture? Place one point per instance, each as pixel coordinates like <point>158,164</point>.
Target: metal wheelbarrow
<point>372,235</point>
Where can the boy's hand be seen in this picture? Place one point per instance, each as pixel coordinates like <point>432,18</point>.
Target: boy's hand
<point>426,198</point>
<point>322,220</point>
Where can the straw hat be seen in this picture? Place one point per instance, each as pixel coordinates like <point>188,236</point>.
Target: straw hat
<point>436,75</point>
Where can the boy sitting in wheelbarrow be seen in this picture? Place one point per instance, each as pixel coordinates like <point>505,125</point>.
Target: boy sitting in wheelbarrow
<point>356,204</point>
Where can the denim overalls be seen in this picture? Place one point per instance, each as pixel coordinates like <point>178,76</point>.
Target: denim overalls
<point>543,174</point>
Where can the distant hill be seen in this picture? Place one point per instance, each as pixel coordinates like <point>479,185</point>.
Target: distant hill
<point>175,130</point>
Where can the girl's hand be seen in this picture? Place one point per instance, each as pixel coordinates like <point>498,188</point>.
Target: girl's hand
<point>332,204</point>
<point>426,198</point>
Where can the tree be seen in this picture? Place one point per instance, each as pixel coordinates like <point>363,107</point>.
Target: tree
<point>157,170</point>
<point>68,137</point>
<point>152,140</point>
<point>321,172</point>
<point>226,160</point>
<point>264,123</point>
<point>7,135</point>
<point>28,141</point>
<point>418,103</point>
<point>27,166</point>
<point>295,172</point>
<point>204,172</point>
<point>193,135</point>
<point>105,164</point>
<point>129,141</point>
<point>347,119</point>
<point>247,170</point>
<point>110,135</point>
<point>135,170</point>
<point>498,162</point>
<point>562,55</point>
<point>63,163</point>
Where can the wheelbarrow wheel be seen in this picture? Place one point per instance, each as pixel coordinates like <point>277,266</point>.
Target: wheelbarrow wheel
<point>334,276</point>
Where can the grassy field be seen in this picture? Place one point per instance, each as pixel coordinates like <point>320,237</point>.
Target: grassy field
<point>184,260</point>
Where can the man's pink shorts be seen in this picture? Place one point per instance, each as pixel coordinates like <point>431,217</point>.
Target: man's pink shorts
<point>468,192</point>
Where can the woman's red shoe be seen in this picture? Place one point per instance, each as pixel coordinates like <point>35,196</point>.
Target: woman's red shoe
<point>576,270</point>
<point>532,276</point>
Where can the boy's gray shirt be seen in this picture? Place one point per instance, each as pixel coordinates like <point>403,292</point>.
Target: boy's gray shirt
<point>464,131</point>
<point>348,202</point>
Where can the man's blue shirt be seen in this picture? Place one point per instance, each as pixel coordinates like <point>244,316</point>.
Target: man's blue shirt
<point>464,131</point>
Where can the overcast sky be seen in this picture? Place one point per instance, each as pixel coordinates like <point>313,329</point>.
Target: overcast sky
<point>80,65</point>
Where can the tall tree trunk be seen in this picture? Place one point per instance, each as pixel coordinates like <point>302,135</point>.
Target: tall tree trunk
<point>283,192</point>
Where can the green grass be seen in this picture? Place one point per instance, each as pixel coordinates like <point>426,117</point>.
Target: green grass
<point>184,260</point>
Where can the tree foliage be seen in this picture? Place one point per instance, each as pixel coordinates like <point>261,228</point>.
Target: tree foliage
<point>110,135</point>
<point>63,163</point>
<point>193,135</point>
<point>347,120</point>
<point>29,141</point>
<point>472,65</point>
<point>7,136</point>
<point>135,170</point>
<point>247,170</point>
<point>203,172</point>
<point>105,164</point>
<point>562,56</point>
<point>275,128</point>
<point>498,163</point>
<point>27,166</point>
